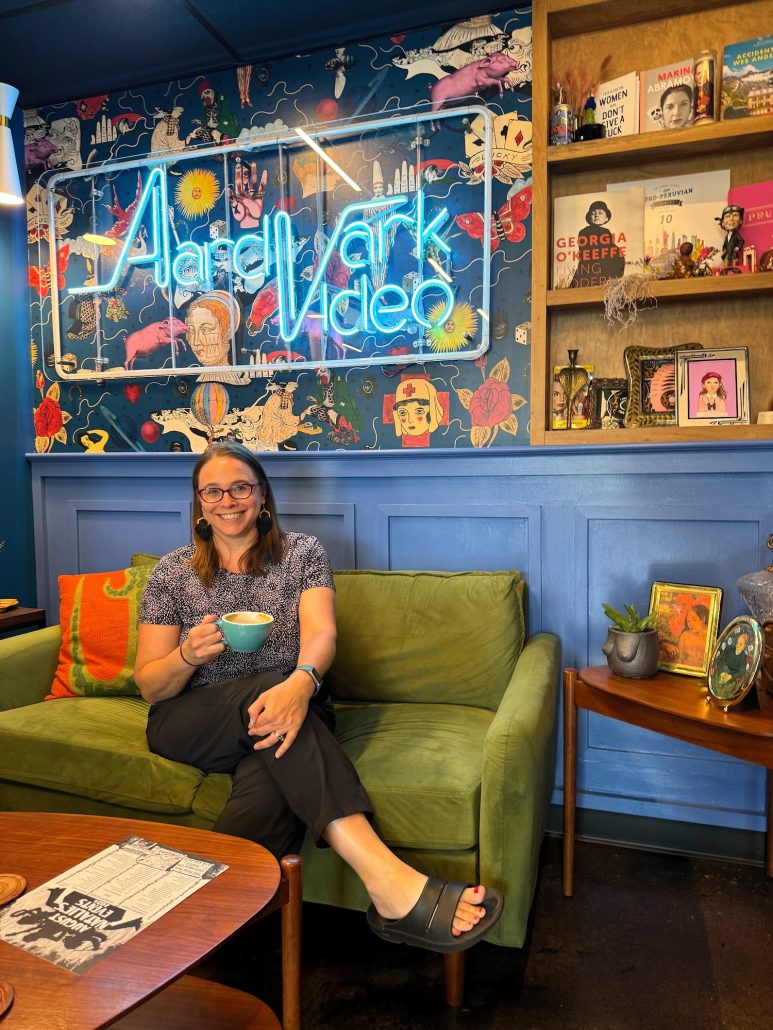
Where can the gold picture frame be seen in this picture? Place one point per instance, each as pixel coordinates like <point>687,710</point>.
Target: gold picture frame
<point>687,618</point>
<point>651,374</point>
<point>735,662</point>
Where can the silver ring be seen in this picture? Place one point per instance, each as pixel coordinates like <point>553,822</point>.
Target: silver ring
<point>279,736</point>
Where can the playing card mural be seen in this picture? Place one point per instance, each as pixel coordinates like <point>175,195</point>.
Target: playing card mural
<point>198,273</point>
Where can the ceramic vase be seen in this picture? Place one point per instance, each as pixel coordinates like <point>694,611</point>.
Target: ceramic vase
<point>633,655</point>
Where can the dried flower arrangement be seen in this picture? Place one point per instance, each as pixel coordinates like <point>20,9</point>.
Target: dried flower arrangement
<point>578,84</point>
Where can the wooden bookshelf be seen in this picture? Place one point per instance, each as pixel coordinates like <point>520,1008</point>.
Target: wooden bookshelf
<point>718,311</point>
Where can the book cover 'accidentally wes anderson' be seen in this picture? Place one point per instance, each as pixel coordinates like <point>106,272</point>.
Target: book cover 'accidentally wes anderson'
<point>757,230</point>
<point>617,105</point>
<point>666,96</point>
<point>596,237</point>
<point>747,78</point>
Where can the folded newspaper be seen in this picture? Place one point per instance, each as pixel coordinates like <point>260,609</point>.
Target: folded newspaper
<point>83,914</point>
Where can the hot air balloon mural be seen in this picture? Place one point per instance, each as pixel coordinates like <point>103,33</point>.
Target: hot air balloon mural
<point>210,403</point>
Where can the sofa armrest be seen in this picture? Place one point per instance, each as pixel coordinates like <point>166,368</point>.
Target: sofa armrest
<point>518,774</point>
<point>27,666</point>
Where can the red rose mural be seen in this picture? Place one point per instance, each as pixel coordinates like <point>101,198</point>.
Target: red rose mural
<point>491,406</point>
<point>48,417</point>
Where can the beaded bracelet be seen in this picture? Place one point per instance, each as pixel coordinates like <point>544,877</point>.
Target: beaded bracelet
<point>192,665</point>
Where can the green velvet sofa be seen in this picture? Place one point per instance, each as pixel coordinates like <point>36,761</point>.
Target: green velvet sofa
<point>444,706</point>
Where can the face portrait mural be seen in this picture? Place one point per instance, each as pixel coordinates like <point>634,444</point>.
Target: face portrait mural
<point>417,410</point>
<point>212,321</point>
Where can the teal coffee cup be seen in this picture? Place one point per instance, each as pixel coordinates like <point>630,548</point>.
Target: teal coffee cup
<point>246,631</point>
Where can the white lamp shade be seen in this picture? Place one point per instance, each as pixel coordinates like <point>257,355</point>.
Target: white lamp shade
<point>10,187</point>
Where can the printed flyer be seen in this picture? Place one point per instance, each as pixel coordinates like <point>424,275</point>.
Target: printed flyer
<point>85,913</point>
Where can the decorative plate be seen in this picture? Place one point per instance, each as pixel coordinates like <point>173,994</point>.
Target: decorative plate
<point>6,996</point>
<point>8,602</point>
<point>11,886</point>
<point>736,661</point>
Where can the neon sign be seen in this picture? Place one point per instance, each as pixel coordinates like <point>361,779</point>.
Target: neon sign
<point>325,282</point>
<point>382,310</point>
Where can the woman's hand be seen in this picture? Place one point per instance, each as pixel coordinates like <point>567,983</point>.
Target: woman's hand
<point>280,710</point>
<point>204,642</point>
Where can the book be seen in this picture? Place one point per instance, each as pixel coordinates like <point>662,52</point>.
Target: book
<point>757,230</point>
<point>597,237</point>
<point>747,78</point>
<point>617,105</point>
<point>681,208</point>
<point>654,87</point>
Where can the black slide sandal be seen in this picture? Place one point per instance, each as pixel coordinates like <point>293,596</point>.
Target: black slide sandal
<point>429,923</point>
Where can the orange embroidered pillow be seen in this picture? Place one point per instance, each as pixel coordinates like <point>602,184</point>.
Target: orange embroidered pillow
<point>98,613</point>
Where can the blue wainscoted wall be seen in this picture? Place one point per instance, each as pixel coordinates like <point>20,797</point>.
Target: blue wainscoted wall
<point>584,525</point>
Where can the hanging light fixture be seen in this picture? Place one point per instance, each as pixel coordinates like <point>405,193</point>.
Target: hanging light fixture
<point>10,188</point>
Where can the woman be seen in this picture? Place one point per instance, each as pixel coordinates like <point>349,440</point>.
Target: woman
<point>691,648</point>
<point>676,106</point>
<point>271,725</point>
<point>212,321</point>
<point>712,399</point>
<point>600,256</point>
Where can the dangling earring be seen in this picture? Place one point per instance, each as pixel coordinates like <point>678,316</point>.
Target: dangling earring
<point>265,521</point>
<point>203,528</point>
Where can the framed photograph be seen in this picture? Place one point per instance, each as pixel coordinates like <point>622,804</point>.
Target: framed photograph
<point>736,661</point>
<point>687,618</point>
<point>608,401</point>
<point>651,374</point>
<point>713,387</point>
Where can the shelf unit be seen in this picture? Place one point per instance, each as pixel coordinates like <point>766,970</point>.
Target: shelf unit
<point>718,311</point>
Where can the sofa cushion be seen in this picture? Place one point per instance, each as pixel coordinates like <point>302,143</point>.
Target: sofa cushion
<point>140,558</point>
<point>98,616</point>
<point>427,636</point>
<point>95,747</point>
<point>421,766</point>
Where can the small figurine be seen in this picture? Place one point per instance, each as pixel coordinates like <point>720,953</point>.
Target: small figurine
<point>589,128</point>
<point>589,111</point>
<point>731,221</point>
<point>684,266</point>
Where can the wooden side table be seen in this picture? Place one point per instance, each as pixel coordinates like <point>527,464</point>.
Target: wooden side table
<point>674,706</point>
<point>22,618</point>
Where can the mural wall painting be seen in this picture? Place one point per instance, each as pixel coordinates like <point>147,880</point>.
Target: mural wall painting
<point>198,272</point>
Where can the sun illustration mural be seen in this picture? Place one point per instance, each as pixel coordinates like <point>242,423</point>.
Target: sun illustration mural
<point>197,192</point>
<point>456,332</point>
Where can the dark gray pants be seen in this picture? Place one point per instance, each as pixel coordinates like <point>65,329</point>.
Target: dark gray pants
<point>273,800</point>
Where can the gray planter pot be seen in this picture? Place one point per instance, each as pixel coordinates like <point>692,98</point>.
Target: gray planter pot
<point>634,655</point>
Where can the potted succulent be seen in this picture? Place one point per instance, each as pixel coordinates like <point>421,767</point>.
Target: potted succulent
<point>631,646</point>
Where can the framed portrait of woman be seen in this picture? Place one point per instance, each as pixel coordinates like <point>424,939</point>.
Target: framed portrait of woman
<point>713,387</point>
<point>687,618</point>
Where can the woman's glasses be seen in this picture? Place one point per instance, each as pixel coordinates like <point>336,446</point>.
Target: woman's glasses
<point>239,492</point>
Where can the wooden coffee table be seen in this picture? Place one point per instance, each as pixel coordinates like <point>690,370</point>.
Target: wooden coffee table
<point>674,706</point>
<point>40,845</point>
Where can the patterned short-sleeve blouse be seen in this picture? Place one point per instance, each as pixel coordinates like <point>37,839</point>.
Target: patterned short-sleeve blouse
<point>175,596</point>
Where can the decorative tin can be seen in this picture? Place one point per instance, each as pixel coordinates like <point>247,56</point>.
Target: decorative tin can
<point>561,125</point>
<point>705,75</point>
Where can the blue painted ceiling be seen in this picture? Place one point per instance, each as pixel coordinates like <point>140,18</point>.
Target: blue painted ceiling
<point>55,50</point>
